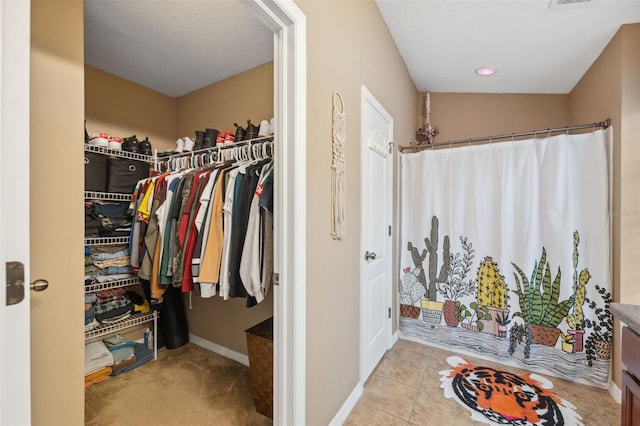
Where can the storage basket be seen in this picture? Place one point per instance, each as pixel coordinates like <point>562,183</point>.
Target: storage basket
<point>95,172</point>
<point>124,174</point>
<point>260,348</point>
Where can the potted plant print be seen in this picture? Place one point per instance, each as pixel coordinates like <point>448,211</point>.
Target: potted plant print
<point>456,286</point>
<point>431,308</point>
<point>575,318</point>
<point>519,333</point>
<point>568,343</point>
<point>492,293</point>
<point>598,343</point>
<point>471,318</point>
<point>411,291</point>
<point>502,319</point>
<point>538,299</point>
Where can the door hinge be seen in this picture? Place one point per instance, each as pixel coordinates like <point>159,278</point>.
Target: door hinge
<point>389,312</point>
<point>276,278</point>
<point>15,282</point>
<point>390,147</point>
<point>389,230</point>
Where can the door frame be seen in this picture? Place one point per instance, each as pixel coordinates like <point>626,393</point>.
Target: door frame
<point>15,339</point>
<point>367,96</point>
<point>288,24</point>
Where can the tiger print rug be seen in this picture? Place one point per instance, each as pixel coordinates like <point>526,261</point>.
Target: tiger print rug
<point>502,398</point>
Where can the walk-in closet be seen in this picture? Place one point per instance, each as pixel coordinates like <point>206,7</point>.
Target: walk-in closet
<point>201,332</point>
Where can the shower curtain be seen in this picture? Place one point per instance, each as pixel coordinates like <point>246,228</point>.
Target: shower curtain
<point>505,252</point>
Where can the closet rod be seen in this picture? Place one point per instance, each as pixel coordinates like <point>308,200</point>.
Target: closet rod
<point>219,147</point>
<point>601,125</point>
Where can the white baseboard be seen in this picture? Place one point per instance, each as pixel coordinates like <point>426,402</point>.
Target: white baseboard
<point>394,338</point>
<point>220,350</point>
<point>615,392</point>
<point>348,405</point>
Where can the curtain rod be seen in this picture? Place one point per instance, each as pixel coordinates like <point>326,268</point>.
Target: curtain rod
<point>601,125</point>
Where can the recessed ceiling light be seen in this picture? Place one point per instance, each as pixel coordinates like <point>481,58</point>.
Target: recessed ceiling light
<point>485,71</point>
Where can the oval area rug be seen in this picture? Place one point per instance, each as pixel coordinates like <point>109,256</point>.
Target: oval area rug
<point>503,398</point>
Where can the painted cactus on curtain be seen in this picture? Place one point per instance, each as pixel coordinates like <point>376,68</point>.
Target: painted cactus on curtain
<point>540,293</point>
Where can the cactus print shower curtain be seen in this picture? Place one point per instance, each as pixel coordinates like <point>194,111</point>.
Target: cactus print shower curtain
<point>505,253</point>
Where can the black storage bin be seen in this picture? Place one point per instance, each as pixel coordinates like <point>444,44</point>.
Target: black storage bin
<point>125,173</point>
<point>95,172</point>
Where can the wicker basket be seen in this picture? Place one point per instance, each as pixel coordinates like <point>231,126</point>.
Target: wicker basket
<point>260,348</point>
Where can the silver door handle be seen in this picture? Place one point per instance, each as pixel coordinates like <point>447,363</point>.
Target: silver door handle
<point>39,285</point>
<point>369,256</point>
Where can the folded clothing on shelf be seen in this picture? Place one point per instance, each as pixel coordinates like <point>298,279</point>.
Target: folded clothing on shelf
<point>109,219</point>
<point>116,261</point>
<point>113,305</point>
<point>96,357</point>
<point>114,210</point>
<point>121,353</point>
<point>89,315</point>
<point>142,355</point>
<point>102,256</point>
<point>107,248</point>
<point>114,340</point>
<point>112,277</point>
<point>122,364</point>
<point>114,315</point>
<point>91,326</point>
<point>97,377</point>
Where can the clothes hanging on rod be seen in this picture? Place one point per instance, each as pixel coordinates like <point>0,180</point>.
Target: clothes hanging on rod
<point>206,224</point>
<point>416,147</point>
<point>206,156</point>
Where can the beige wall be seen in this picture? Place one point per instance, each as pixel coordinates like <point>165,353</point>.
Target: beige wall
<point>611,88</point>
<point>470,115</point>
<point>121,108</point>
<point>342,56</point>
<point>56,215</point>
<point>245,96</point>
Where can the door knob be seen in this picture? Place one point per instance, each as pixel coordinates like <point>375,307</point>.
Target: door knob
<point>39,285</point>
<point>369,256</point>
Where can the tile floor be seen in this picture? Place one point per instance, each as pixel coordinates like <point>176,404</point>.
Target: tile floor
<point>404,389</point>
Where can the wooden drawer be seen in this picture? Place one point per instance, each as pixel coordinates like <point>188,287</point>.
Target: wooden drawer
<point>631,351</point>
<point>630,401</point>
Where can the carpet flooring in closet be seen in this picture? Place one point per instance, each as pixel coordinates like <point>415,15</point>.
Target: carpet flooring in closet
<point>184,386</point>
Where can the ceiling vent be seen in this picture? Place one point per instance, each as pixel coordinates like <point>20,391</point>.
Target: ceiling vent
<point>567,2</point>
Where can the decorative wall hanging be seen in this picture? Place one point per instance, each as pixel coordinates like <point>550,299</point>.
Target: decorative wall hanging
<point>338,166</point>
<point>426,134</point>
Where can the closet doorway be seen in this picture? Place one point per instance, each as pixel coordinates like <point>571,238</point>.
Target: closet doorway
<point>288,25</point>
<point>283,19</point>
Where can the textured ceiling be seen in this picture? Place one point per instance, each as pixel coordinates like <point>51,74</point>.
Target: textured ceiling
<point>174,47</point>
<point>536,45</point>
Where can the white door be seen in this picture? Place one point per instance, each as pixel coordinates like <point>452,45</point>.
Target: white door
<point>15,395</point>
<point>375,326</point>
